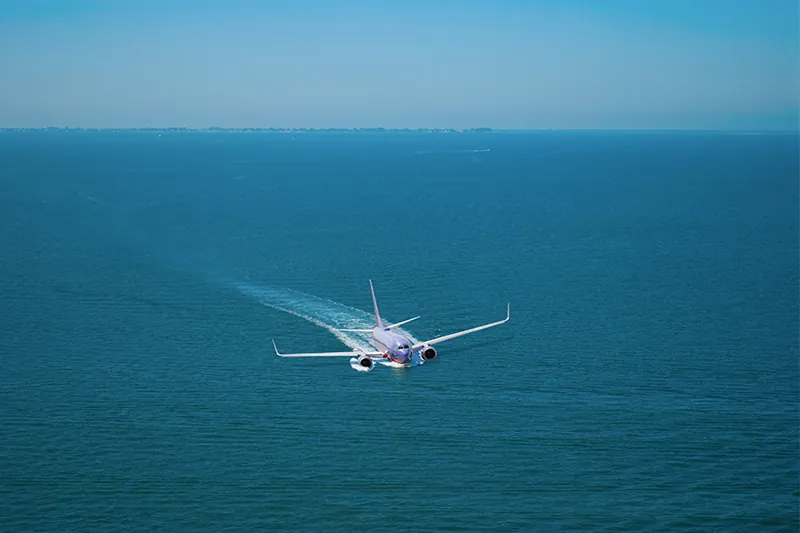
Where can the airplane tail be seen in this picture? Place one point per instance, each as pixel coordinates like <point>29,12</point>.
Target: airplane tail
<point>378,320</point>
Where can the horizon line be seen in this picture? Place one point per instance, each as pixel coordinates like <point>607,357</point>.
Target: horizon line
<point>377,129</point>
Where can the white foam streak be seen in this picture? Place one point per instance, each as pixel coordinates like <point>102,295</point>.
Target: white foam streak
<point>324,313</point>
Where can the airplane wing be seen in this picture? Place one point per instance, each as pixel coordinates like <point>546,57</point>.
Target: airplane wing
<point>443,338</point>
<point>376,355</point>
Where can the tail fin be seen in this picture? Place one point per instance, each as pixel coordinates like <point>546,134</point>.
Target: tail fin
<point>378,320</point>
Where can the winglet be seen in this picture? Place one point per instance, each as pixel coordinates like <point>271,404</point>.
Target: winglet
<point>276,347</point>
<point>508,313</point>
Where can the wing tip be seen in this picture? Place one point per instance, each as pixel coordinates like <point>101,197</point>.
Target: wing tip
<point>508,312</point>
<point>276,347</point>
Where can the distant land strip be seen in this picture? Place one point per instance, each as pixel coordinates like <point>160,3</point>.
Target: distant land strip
<point>263,130</point>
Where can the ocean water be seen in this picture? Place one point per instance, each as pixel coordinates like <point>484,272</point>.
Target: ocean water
<point>647,380</point>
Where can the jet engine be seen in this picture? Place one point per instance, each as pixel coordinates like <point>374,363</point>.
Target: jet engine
<point>362,364</point>
<point>427,353</point>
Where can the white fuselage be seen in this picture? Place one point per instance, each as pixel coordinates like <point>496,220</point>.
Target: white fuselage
<point>394,346</point>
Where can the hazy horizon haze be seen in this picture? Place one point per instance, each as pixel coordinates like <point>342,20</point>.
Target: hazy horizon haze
<point>513,65</point>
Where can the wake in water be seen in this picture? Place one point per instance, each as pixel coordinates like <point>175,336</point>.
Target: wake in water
<point>452,151</point>
<point>324,313</point>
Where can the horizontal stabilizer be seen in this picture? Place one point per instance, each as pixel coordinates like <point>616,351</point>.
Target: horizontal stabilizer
<point>387,327</point>
<point>401,323</point>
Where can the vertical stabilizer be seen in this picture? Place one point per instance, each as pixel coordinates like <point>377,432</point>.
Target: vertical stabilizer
<point>378,320</point>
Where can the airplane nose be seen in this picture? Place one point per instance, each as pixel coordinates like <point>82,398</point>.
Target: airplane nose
<point>403,356</point>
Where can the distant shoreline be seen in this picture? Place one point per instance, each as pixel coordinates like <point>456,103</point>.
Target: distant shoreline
<point>263,130</point>
<point>59,129</point>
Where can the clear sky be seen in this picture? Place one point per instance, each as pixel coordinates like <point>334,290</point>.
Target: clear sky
<point>691,64</point>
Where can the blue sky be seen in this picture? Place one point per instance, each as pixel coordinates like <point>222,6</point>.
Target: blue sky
<point>572,64</point>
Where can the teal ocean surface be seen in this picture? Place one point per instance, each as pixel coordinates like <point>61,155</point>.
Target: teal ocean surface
<point>647,380</point>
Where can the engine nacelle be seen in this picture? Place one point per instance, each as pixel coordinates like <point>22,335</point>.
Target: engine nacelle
<point>362,364</point>
<point>427,353</point>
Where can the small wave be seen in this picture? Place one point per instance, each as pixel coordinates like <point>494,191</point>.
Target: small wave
<point>435,152</point>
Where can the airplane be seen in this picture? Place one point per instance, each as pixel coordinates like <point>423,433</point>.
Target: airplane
<point>394,349</point>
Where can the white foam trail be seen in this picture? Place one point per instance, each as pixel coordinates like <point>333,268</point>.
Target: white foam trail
<point>445,151</point>
<point>324,313</point>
